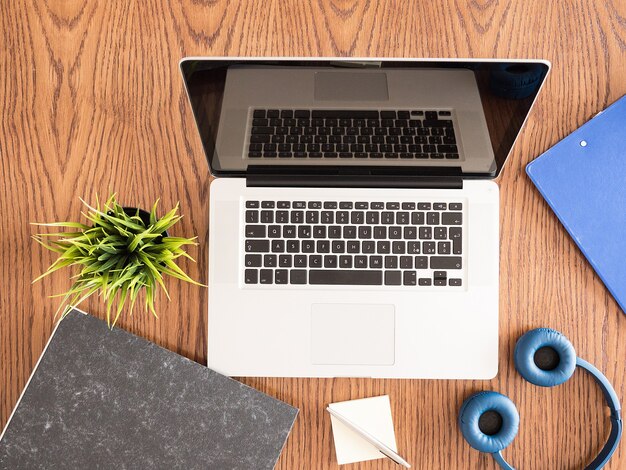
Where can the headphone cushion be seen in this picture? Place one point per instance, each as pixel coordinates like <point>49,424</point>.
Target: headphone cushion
<point>470,413</point>
<point>524,355</point>
<point>514,80</point>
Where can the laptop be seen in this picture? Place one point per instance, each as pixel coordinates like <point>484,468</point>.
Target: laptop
<point>354,215</point>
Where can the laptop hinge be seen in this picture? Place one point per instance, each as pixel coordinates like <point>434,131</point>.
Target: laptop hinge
<point>354,177</point>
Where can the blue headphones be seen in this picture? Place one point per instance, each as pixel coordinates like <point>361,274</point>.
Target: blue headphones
<point>489,421</point>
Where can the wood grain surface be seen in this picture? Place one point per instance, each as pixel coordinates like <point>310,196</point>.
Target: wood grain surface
<point>92,101</point>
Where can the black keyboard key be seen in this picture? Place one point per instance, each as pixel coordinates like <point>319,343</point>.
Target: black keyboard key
<point>253,261</point>
<point>267,217</point>
<point>393,278</point>
<point>417,218</point>
<point>297,217</point>
<point>452,218</point>
<point>349,231</point>
<point>457,242</point>
<point>365,231</point>
<point>441,233</point>
<point>391,262</point>
<point>432,218</point>
<point>345,277</point>
<point>278,246</point>
<point>439,282</point>
<point>424,206</point>
<point>456,206</point>
<point>293,246</point>
<point>361,205</point>
<point>282,217</point>
<point>376,262</point>
<point>406,262</point>
<point>284,261</point>
<point>299,261</point>
<point>273,231</point>
<point>257,246</point>
<point>269,261</point>
<point>343,217</point>
<point>443,248</point>
<point>402,218</point>
<point>251,276</point>
<point>414,248</point>
<point>410,233</point>
<point>252,217</point>
<point>345,262</point>
<point>431,115</point>
<point>302,113</point>
<point>255,231</point>
<point>447,148</point>
<point>262,130</point>
<point>383,247</point>
<point>445,262</point>
<point>398,247</point>
<point>334,231</point>
<point>308,246</point>
<point>357,217</point>
<point>454,282</point>
<point>368,247</point>
<point>260,122</point>
<point>330,205</point>
<point>428,248</point>
<point>372,218</point>
<point>254,154</point>
<point>319,231</point>
<point>338,246</point>
<point>395,232</point>
<point>289,231</point>
<point>323,246</point>
<point>424,281</point>
<point>258,113</point>
<point>353,246</point>
<point>409,278</point>
<point>315,261</point>
<point>304,231</point>
<point>267,276</point>
<point>252,204</point>
<point>421,262</point>
<point>273,113</point>
<point>330,261</point>
<point>297,276</point>
<point>286,113</point>
<point>387,217</point>
<point>388,115</point>
<point>281,276</point>
<point>425,233</point>
<point>360,262</point>
<point>380,232</point>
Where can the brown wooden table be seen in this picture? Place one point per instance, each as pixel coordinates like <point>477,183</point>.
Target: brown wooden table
<point>92,101</point>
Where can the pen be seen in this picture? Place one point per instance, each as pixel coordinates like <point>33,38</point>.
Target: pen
<point>369,438</point>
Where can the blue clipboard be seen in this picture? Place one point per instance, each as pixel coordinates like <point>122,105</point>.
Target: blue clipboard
<point>583,179</point>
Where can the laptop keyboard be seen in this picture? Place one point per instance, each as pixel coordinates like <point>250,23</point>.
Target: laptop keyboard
<point>353,243</point>
<point>303,133</point>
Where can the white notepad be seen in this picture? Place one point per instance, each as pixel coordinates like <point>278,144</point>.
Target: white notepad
<point>371,414</point>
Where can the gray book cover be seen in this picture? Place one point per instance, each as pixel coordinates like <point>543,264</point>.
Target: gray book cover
<point>103,399</point>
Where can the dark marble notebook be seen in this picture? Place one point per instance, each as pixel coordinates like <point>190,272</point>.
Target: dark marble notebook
<point>101,399</point>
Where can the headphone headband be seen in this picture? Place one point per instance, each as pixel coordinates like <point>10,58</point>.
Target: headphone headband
<point>616,421</point>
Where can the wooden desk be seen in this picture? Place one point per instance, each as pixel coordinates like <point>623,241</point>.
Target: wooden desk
<point>92,101</point>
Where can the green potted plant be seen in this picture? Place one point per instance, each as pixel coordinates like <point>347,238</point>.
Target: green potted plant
<point>119,253</point>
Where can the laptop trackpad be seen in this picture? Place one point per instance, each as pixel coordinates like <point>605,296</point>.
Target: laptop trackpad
<point>352,334</point>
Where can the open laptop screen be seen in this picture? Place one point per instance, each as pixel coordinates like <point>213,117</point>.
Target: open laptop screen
<point>446,116</point>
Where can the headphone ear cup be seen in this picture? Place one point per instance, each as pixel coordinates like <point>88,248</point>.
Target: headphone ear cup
<point>470,421</point>
<point>549,343</point>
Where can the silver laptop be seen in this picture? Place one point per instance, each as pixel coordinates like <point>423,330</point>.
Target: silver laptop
<point>354,218</point>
